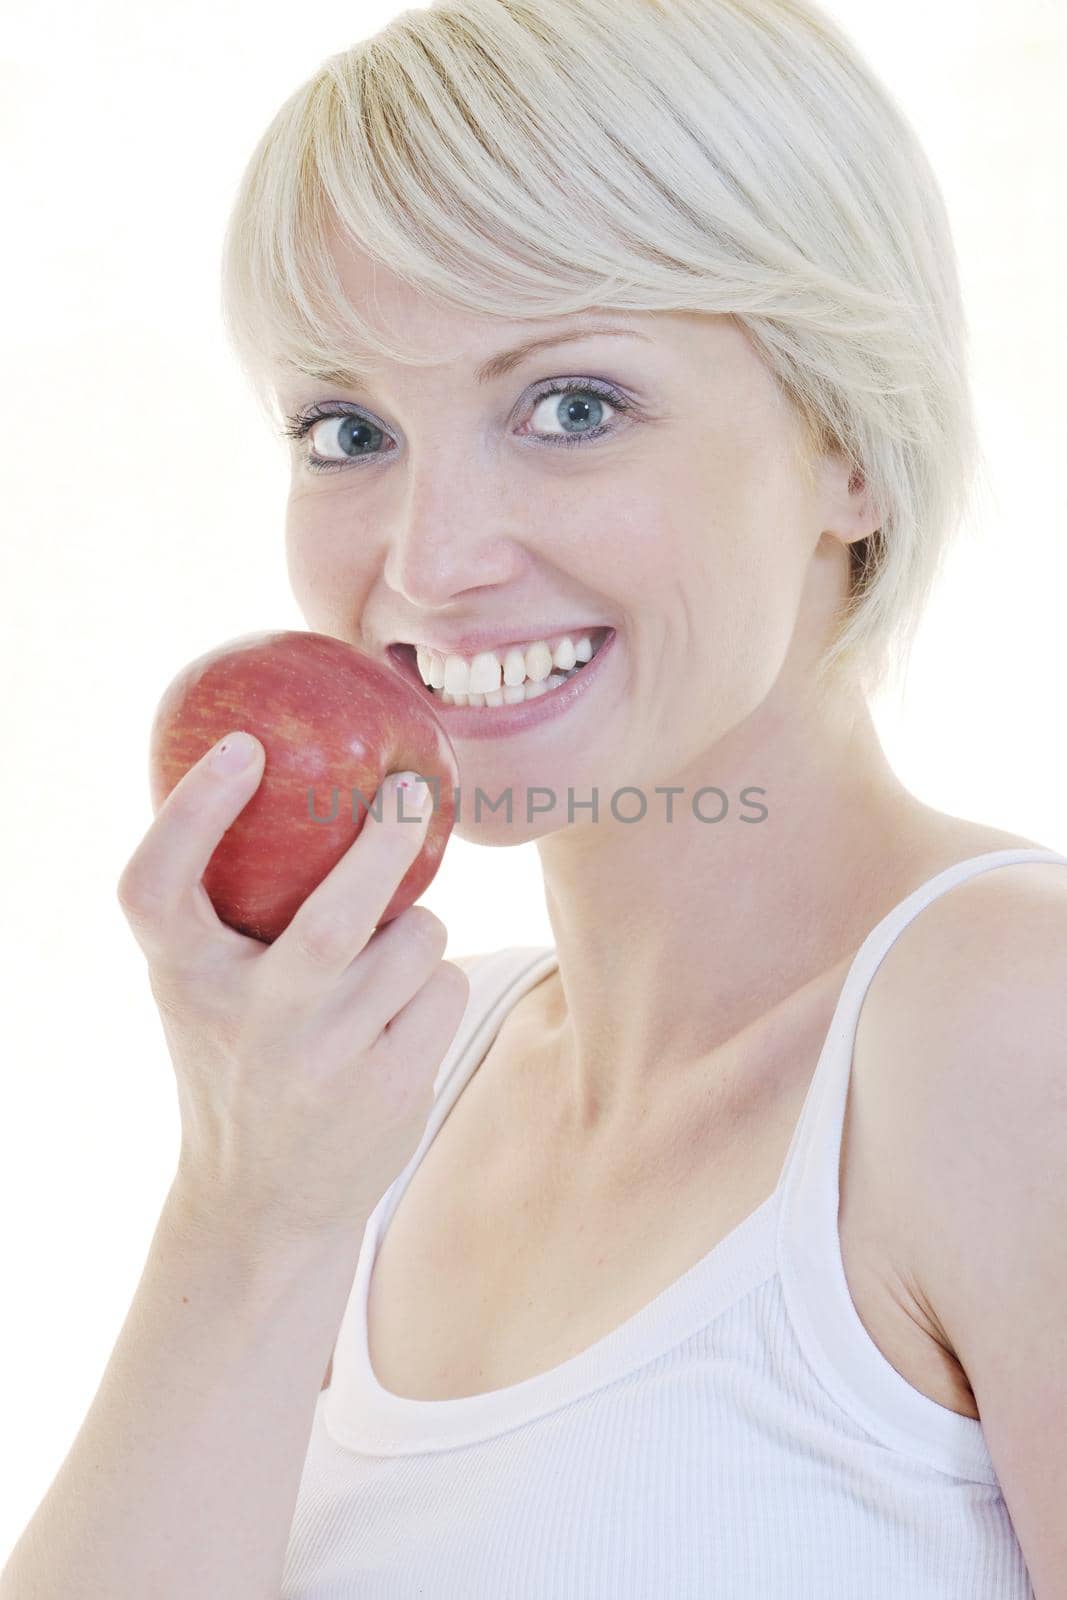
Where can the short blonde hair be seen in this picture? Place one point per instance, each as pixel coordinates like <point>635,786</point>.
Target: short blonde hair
<point>541,157</point>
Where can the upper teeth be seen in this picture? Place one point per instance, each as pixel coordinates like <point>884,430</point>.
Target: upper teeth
<point>489,670</point>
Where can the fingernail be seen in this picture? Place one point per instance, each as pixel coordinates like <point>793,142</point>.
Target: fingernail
<point>234,753</point>
<point>413,796</point>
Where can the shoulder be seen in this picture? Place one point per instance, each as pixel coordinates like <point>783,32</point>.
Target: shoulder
<point>513,955</point>
<point>965,1021</point>
<point>963,1031</point>
<point>966,1041</point>
<point>973,994</point>
<point>978,971</point>
<point>494,972</point>
<point>479,965</point>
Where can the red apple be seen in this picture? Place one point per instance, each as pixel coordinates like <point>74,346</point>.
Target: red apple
<point>333,723</point>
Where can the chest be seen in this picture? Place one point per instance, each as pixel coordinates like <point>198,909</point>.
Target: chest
<point>501,1262</point>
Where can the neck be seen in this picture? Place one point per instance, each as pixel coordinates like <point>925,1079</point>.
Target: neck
<point>673,937</point>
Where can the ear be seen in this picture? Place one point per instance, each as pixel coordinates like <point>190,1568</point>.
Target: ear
<point>848,511</point>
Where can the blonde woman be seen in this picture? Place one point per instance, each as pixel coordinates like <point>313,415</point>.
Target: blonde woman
<point>716,1250</point>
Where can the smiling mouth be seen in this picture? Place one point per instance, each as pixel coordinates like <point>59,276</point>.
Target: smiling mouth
<point>405,656</point>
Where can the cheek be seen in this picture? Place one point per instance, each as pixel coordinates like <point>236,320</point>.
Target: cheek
<point>757,515</point>
<point>324,572</point>
<point>729,572</point>
<point>716,554</point>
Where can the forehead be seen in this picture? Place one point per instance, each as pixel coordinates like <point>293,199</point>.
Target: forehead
<point>446,334</point>
<point>399,311</point>
<point>457,340</point>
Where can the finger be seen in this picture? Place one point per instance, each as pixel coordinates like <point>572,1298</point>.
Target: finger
<point>158,887</point>
<point>424,1029</point>
<point>341,913</point>
<point>392,968</point>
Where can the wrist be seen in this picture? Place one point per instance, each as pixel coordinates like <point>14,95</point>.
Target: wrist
<point>200,1217</point>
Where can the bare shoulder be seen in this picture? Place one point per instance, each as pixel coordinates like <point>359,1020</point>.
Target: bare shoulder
<point>965,1050</point>
<point>467,963</point>
<point>983,916</point>
<point>968,1011</point>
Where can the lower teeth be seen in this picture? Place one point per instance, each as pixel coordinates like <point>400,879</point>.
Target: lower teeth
<point>510,695</point>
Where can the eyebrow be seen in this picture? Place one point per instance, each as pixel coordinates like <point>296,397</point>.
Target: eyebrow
<point>497,366</point>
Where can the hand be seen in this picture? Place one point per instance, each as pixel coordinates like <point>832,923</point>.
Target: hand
<point>305,1068</point>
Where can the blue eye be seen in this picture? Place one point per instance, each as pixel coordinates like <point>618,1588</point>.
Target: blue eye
<point>355,434</point>
<point>358,438</point>
<point>571,414</point>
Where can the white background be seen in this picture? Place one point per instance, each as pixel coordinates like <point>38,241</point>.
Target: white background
<point>143,502</point>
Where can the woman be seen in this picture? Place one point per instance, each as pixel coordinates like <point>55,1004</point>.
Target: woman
<point>724,1257</point>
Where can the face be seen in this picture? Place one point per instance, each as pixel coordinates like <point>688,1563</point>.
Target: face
<point>677,515</point>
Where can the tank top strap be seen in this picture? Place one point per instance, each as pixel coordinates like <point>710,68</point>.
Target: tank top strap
<point>498,979</point>
<point>808,1240</point>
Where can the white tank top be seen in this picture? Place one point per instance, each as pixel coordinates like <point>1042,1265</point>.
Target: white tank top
<point>740,1438</point>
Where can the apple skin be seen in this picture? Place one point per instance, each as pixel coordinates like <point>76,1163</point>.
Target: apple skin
<point>329,717</point>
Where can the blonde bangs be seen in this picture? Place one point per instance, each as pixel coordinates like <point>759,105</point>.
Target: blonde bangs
<point>527,159</point>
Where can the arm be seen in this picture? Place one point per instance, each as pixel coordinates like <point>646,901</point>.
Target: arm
<point>979,1114</point>
<point>304,1071</point>
<point>465,963</point>
<point>182,1481</point>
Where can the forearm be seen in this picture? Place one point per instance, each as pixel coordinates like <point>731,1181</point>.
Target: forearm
<point>182,1481</point>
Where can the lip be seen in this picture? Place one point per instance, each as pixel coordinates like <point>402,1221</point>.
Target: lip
<point>498,722</point>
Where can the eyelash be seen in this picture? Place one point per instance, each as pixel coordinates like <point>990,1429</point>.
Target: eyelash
<point>300,426</point>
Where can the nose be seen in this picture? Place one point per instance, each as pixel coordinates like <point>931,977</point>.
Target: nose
<point>451,535</point>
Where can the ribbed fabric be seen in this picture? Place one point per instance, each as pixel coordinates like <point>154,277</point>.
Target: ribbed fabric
<point>741,1437</point>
